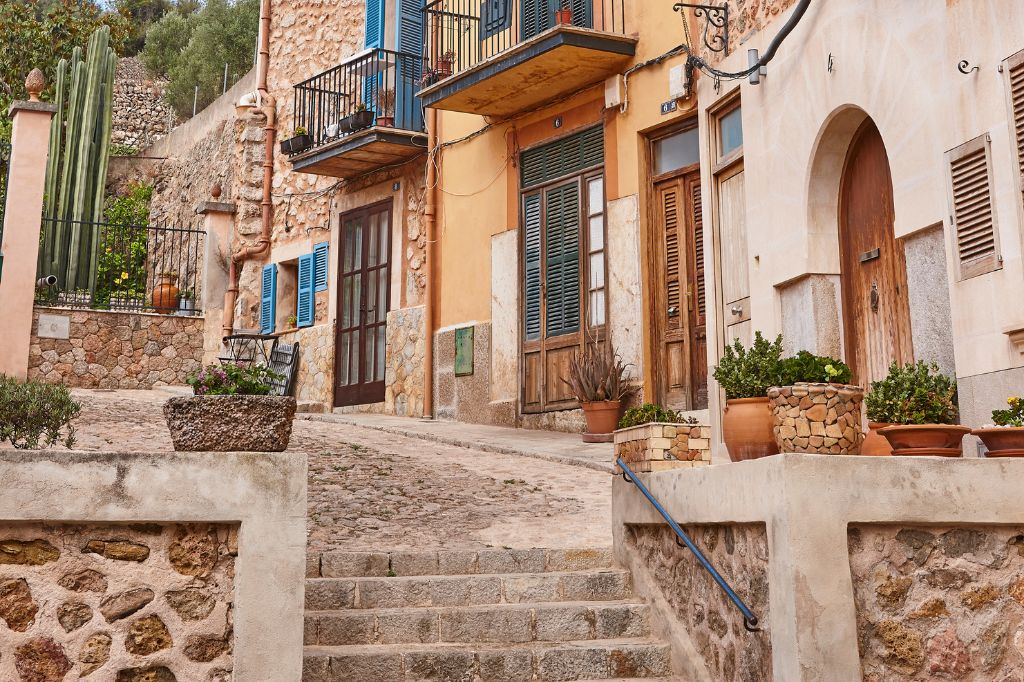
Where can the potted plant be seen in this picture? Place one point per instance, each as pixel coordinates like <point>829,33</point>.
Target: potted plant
<point>231,411</point>
<point>293,321</point>
<point>654,438</point>
<point>386,107</point>
<point>298,142</point>
<point>920,402</point>
<point>445,65</point>
<point>360,118</point>
<point>815,410</point>
<point>1006,437</point>
<point>746,375</point>
<point>165,293</point>
<point>598,380</point>
<point>186,303</point>
<point>563,15</point>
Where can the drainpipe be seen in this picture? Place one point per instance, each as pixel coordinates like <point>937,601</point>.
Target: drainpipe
<point>262,245</point>
<point>430,222</point>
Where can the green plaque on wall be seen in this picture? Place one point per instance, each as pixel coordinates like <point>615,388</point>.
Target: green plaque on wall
<point>463,351</point>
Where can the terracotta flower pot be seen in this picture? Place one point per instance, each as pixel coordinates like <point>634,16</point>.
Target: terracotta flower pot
<point>165,294</point>
<point>563,16</point>
<point>875,444</point>
<point>1002,441</point>
<point>602,419</point>
<point>747,429</point>
<point>942,440</point>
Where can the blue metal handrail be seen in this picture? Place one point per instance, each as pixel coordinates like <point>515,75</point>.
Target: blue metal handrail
<point>749,619</point>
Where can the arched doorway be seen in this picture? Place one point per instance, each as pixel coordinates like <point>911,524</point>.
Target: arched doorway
<point>876,311</point>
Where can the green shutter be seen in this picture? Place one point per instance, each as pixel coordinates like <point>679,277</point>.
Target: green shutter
<point>562,243</point>
<point>539,15</point>
<point>531,265</point>
<point>563,157</point>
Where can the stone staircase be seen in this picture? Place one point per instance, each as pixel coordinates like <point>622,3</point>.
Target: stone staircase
<point>495,615</point>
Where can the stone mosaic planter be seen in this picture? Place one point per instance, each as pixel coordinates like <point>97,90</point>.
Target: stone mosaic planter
<point>230,423</point>
<point>661,446</point>
<point>819,419</point>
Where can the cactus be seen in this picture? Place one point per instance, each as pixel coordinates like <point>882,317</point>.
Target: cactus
<point>77,167</point>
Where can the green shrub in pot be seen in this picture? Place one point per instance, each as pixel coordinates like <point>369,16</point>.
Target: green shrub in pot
<point>746,374</point>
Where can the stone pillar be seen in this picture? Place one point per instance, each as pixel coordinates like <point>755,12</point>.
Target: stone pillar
<point>22,222</point>
<point>218,217</point>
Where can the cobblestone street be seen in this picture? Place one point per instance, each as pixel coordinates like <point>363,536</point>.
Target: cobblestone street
<point>369,489</point>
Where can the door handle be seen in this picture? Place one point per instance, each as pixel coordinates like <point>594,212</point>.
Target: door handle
<point>689,298</point>
<point>874,297</point>
<point>736,310</point>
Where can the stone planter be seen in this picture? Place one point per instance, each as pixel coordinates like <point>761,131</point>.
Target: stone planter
<point>230,423</point>
<point>818,419</point>
<point>661,446</point>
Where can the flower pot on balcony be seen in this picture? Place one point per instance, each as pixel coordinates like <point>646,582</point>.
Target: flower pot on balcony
<point>602,418</point>
<point>875,444</point>
<point>386,121</point>
<point>1002,441</point>
<point>747,429</point>
<point>165,293</point>
<point>445,66</point>
<point>356,121</point>
<point>296,144</point>
<point>922,440</point>
<point>563,16</point>
<point>817,418</point>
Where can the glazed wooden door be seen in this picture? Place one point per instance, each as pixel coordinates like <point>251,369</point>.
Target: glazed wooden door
<point>876,310</point>
<point>363,301</point>
<point>681,301</point>
<point>732,230</point>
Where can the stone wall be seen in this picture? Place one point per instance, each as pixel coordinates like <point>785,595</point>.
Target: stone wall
<point>139,602</point>
<point>315,375</point>
<point>714,625</point>
<point>746,17</point>
<point>116,350</point>
<point>939,602</point>
<point>141,115</point>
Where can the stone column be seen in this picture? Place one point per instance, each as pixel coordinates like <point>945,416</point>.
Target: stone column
<point>22,223</point>
<point>218,221</point>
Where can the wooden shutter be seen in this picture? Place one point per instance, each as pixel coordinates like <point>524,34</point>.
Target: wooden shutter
<point>562,262</point>
<point>670,201</point>
<point>1015,92</point>
<point>321,266</point>
<point>268,298</point>
<point>971,209</point>
<point>409,67</point>
<point>531,265</point>
<point>699,293</point>
<point>570,155</point>
<point>495,17</point>
<point>582,13</point>
<point>537,17</point>
<point>375,13</point>
<point>304,299</point>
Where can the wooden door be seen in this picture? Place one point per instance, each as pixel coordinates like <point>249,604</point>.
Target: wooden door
<point>363,301</point>
<point>732,230</point>
<point>681,293</point>
<point>876,310</point>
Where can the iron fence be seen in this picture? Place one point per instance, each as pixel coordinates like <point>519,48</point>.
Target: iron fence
<point>5,172</point>
<point>463,33</point>
<point>112,266</point>
<point>374,88</point>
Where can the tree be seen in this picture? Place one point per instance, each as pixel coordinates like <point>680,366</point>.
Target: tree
<point>141,14</point>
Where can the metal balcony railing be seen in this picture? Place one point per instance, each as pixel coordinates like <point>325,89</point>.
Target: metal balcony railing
<point>376,87</point>
<point>463,33</point>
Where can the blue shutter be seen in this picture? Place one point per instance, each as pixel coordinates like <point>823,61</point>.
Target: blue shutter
<point>305,308</point>
<point>531,262</point>
<point>321,267</point>
<point>562,262</point>
<point>375,13</point>
<point>409,42</point>
<point>268,299</point>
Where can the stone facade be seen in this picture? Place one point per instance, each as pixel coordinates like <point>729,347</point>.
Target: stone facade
<point>715,627</point>
<point>139,602</point>
<point>315,374</point>
<point>939,602</point>
<point>746,18</point>
<point>141,115</point>
<point>658,447</point>
<point>818,418</point>
<point>117,350</point>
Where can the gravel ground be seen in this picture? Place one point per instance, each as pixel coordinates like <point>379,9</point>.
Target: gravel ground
<point>373,490</point>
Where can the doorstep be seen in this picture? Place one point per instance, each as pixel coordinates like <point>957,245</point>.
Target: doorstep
<point>552,446</point>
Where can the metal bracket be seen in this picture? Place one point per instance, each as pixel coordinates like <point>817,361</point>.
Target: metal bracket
<point>716,18</point>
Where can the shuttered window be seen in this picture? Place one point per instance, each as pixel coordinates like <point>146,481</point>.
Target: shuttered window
<point>560,158</point>
<point>321,266</point>
<point>304,299</point>
<point>971,209</point>
<point>409,67</point>
<point>539,15</point>
<point>268,298</point>
<point>531,265</point>
<point>1015,90</point>
<point>562,262</point>
<point>375,13</point>
<point>698,251</point>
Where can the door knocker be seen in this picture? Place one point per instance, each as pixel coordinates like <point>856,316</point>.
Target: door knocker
<point>874,297</point>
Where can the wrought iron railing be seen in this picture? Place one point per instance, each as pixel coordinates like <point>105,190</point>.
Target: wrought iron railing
<point>111,266</point>
<point>376,87</point>
<point>463,33</point>
<point>683,540</point>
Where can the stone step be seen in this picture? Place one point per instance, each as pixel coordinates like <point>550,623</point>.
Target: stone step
<point>498,623</point>
<point>536,662</point>
<point>454,562</point>
<point>325,594</point>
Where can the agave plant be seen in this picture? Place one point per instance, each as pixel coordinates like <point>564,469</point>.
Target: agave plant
<point>596,372</point>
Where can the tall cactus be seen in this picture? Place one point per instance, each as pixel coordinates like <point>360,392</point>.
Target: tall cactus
<point>77,168</point>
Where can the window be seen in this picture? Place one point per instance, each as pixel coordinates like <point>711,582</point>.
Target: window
<point>730,132</point>
<point>595,247</point>
<point>676,151</point>
<point>971,209</point>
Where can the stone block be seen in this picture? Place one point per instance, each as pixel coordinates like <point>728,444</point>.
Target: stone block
<point>456,562</point>
<point>591,586</point>
<point>556,623</point>
<point>502,624</point>
<point>404,626</point>
<point>414,563</point>
<point>354,564</point>
<point>521,589</point>
<point>345,628</point>
<point>508,665</point>
<point>330,593</point>
<point>510,560</point>
<point>578,559</point>
<point>376,666</point>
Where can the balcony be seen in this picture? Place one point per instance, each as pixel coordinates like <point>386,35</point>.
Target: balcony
<point>361,116</point>
<point>504,57</point>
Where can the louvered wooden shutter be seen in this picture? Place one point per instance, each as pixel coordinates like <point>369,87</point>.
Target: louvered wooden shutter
<point>699,295</point>
<point>562,262</point>
<point>673,282</point>
<point>567,156</point>
<point>582,12</point>
<point>971,209</point>
<point>304,300</point>
<point>321,266</point>
<point>409,67</point>
<point>531,265</point>
<point>536,16</point>
<point>375,13</point>
<point>1015,88</point>
<point>268,298</point>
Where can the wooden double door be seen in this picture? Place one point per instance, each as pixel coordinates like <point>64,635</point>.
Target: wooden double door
<point>364,292</point>
<point>681,373</point>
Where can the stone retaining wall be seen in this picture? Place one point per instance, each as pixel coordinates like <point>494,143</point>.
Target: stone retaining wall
<point>117,600</point>
<point>104,349</point>
<point>939,602</point>
<point>141,116</point>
